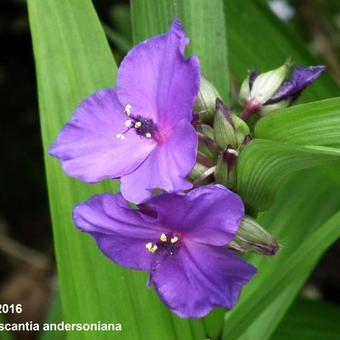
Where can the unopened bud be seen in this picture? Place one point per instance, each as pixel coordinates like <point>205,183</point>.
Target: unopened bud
<point>224,129</point>
<point>205,104</point>
<point>197,171</point>
<point>207,146</point>
<point>290,90</point>
<point>241,129</point>
<point>251,237</point>
<point>266,84</point>
<point>221,172</point>
<point>225,172</point>
<point>229,129</point>
<point>257,88</point>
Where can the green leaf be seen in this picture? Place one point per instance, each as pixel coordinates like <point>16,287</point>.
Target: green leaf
<point>205,26</point>
<point>4,335</point>
<point>73,60</point>
<point>306,236</point>
<point>316,123</point>
<point>264,165</point>
<point>55,315</point>
<point>258,40</point>
<point>310,320</point>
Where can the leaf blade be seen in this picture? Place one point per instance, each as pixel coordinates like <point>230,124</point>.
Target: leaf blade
<point>316,123</point>
<point>73,60</point>
<point>264,165</point>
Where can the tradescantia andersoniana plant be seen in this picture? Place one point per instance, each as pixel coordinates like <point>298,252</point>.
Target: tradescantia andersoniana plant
<point>175,146</point>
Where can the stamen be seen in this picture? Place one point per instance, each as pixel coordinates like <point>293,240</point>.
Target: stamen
<point>120,136</point>
<point>128,109</point>
<point>144,127</point>
<point>128,122</point>
<point>151,247</point>
<point>163,238</point>
<point>174,239</point>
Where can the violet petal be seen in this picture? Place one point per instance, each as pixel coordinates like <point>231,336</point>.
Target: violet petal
<point>211,214</point>
<point>88,146</point>
<point>166,167</point>
<point>302,77</point>
<point>200,278</point>
<point>121,232</point>
<point>158,81</point>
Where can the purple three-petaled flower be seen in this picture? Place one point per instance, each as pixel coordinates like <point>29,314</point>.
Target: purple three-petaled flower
<point>180,239</point>
<point>140,131</point>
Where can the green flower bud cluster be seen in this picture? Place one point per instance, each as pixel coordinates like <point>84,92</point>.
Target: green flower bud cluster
<point>222,136</point>
<point>251,237</point>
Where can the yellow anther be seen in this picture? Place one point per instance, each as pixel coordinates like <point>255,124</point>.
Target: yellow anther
<point>151,247</point>
<point>148,135</point>
<point>120,136</point>
<point>138,125</point>
<point>128,122</point>
<point>174,239</point>
<point>163,238</point>
<point>128,109</point>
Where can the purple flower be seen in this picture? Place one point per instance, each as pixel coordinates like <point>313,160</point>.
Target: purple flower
<point>140,131</point>
<point>291,89</point>
<point>265,92</point>
<point>180,239</point>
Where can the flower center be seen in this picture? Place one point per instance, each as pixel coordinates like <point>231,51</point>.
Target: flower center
<point>144,127</point>
<point>168,243</point>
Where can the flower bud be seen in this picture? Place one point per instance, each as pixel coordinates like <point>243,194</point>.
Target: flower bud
<point>290,90</point>
<point>269,91</point>
<point>258,88</point>
<point>241,129</point>
<point>197,171</point>
<point>251,237</point>
<point>225,172</point>
<point>266,84</point>
<point>221,172</point>
<point>224,130</point>
<point>229,129</point>
<point>207,146</point>
<point>205,104</point>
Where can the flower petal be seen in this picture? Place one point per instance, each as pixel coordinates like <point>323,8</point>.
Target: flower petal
<point>200,278</point>
<point>156,79</point>
<point>301,78</point>
<point>166,167</point>
<point>88,146</point>
<point>121,232</point>
<point>211,214</point>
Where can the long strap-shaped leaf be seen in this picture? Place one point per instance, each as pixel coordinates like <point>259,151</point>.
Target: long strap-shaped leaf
<point>295,266</point>
<point>316,123</point>
<point>73,60</point>
<point>264,164</point>
<point>310,320</point>
<point>205,25</point>
<point>298,211</point>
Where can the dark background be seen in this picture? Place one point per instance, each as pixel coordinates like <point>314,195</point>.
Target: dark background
<point>27,268</point>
